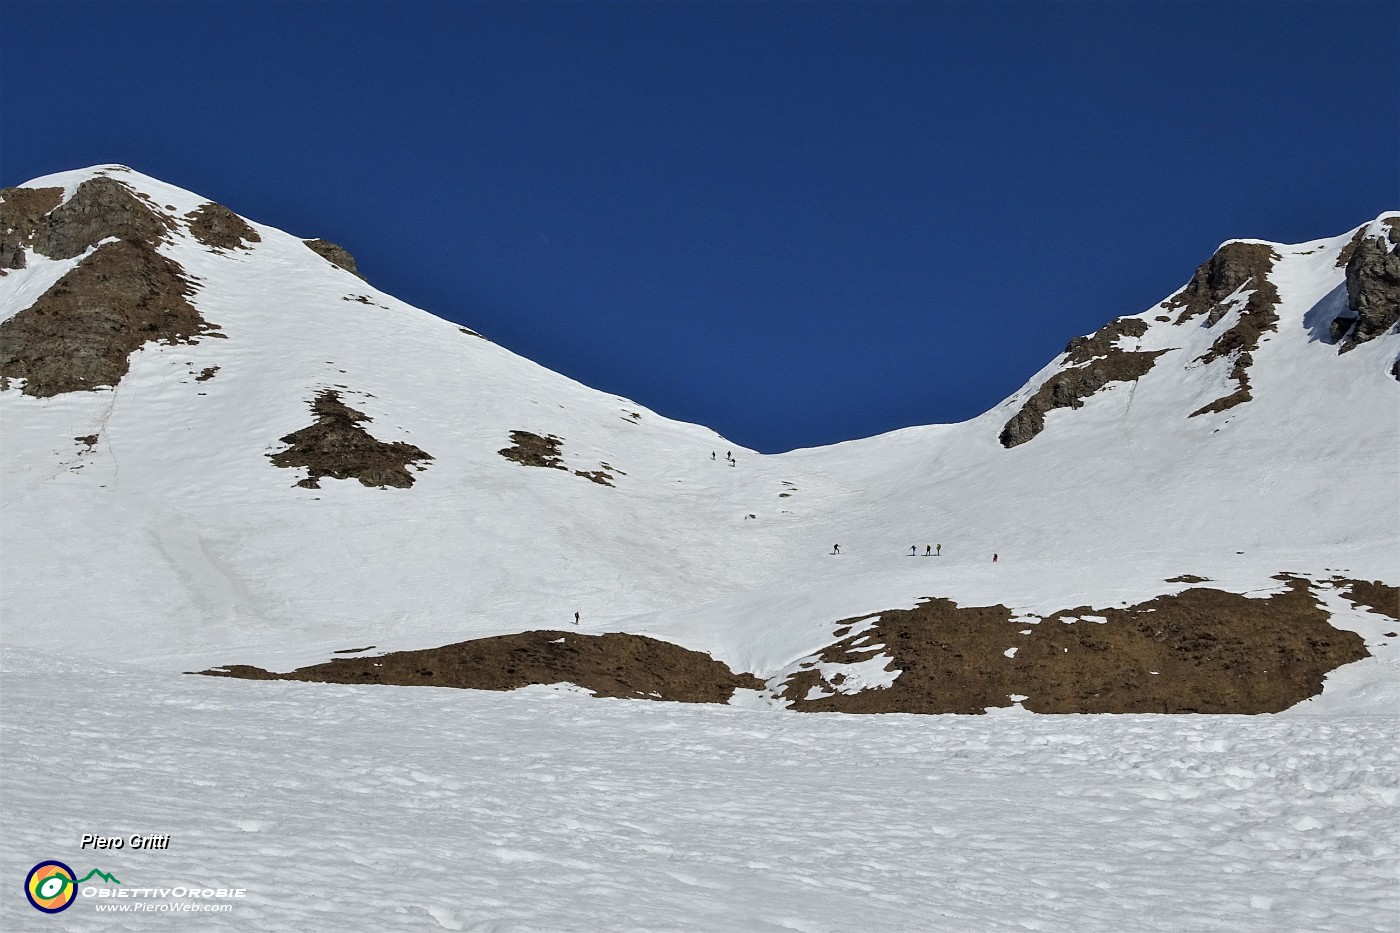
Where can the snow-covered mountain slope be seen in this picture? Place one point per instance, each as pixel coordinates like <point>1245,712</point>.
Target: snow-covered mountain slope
<point>146,520</point>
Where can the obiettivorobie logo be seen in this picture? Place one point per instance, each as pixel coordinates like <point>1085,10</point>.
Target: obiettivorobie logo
<point>51,886</point>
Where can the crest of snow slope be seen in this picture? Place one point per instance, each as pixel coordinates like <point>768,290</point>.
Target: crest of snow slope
<point>176,543</point>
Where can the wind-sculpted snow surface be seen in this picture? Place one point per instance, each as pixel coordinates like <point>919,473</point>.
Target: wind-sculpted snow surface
<point>361,808</point>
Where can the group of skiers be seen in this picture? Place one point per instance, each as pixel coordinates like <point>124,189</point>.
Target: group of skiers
<point>930,550</point>
<point>728,455</point>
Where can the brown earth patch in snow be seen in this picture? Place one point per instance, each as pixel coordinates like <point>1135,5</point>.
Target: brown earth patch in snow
<point>1188,578</point>
<point>337,446</point>
<point>610,665</point>
<point>1373,594</point>
<point>21,212</point>
<point>1070,386</point>
<point>80,332</point>
<point>1212,652</point>
<point>206,374</point>
<point>217,226</point>
<point>601,477</point>
<point>335,255</point>
<point>528,449</point>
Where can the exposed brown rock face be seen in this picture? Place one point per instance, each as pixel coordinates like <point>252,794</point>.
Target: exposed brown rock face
<point>336,446</point>
<point>100,208</point>
<point>1349,250</point>
<point>21,212</point>
<point>79,333</point>
<point>336,255</point>
<point>1212,651</point>
<point>1373,287</point>
<point>1104,341</point>
<point>1069,387</point>
<point>1219,277</point>
<point>611,665</point>
<point>1234,265</point>
<point>217,226</point>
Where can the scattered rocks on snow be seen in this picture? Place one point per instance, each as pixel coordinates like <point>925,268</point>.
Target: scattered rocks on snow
<point>532,450</point>
<point>336,446</point>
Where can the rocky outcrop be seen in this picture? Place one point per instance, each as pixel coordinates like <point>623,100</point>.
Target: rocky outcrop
<point>1373,288</point>
<point>612,665</point>
<point>101,208</point>
<point>336,255</point>
<point>22,210</point>
<point>80,332</point>
<point>336,446</point>
<point>1233,267</point>
<point>1199,651</point>
<point>1104,341</point>
<point>216,226</point>
<point>1220,276</point>
<point>1069,387</point>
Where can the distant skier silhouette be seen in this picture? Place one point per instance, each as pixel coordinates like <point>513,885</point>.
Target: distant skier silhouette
<point>994,558</point>
<point>836,549</point>
<point>712,455</point>
<point>913,550</point>
<point>928,550</point>
<point>939,551</point>
<point>576,618</point>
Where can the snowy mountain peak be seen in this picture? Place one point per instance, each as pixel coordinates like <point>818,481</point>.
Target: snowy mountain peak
<point>1231,312</point>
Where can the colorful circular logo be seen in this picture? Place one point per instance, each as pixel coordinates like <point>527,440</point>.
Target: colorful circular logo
<point>50,887</point>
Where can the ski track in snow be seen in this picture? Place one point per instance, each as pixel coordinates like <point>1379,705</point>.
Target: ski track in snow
<point>364,808</point>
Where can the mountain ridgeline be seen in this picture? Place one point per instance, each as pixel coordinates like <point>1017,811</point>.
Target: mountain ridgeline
<point>1189,510</point>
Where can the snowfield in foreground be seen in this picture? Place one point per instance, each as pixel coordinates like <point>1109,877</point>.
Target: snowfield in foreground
<point>361,808</point>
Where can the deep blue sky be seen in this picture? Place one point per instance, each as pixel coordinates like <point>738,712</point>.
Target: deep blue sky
<point>794,222</point>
